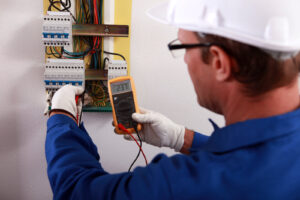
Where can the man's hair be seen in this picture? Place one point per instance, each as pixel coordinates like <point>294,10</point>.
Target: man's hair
<point>256,70</point>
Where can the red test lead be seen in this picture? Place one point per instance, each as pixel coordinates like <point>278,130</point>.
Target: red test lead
<point>124,129</point>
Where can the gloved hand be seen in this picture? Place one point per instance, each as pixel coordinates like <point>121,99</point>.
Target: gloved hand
<point>64,100</point>
<point>158,130</point>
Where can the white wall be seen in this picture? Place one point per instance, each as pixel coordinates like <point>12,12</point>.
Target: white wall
<point>162,84</point>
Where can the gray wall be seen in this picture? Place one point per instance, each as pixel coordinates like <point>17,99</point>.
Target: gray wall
<point>162,84</point>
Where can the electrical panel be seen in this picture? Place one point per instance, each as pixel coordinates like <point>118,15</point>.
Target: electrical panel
<point>60,72</point>
<point>57,29</point>
<point>73,37</point>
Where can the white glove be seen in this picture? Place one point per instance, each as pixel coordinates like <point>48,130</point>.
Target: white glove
<point>158,130</point>
<point>64,99</point>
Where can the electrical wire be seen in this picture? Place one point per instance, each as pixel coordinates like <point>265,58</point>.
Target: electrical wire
<point>77,54</point>
<point>90,11</point>
<point>140,145</point>
<point>92,15</point>
<point>138,155</point>
<point>77,115</point>
<point>51,53</point>
<point>98,93</point>
<point>104,62</point>
<point>91,51</point>
<point>56,51</point>
<point>87,12</point>
<point>66,6</point>
<point>117,54</point>
<point>84,10</point>
<point>82,100</point>
<point>54,54</point>
<point>101,11</point>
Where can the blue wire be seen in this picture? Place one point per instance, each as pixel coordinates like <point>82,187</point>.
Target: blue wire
<point>98,12</point>
<point>68,56</point>
<point>101,7</point>
<point>73,57</point>
<point>77,53</point>
<point>82,8</point>
<point>91,11</point>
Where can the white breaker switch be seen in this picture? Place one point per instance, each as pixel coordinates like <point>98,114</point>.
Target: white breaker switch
<point>59,72</point>
<point>57,29</point>
<point>117,68</point>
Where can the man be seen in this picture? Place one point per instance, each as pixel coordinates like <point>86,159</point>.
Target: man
<point>241,57</point>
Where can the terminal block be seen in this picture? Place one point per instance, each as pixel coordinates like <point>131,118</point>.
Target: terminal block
<point>117,68</point>
<point>57,29</point>
<point>59,72</point>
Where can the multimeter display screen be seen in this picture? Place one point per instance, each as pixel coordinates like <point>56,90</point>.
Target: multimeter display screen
<point>120,87</point>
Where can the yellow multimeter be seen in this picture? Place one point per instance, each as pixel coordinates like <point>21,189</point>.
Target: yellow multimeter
<point>123,102</point>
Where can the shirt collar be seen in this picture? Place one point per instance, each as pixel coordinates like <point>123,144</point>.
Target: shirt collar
<point>251,132</point>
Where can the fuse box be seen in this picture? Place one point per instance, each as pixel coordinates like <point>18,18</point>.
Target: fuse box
<point>73,35</point>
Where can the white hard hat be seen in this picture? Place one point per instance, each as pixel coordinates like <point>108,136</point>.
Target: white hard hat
<point>268,24</point>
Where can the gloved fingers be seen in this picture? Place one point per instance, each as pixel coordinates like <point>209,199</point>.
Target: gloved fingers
<point>65,99</point>
<point>78,90</point>
<point>144,110</point>
<point>144,118</point>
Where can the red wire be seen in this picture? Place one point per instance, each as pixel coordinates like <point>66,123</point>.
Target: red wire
<point>96,21</point>
<point>124,129</point>
<point>60,53</point>
<point>95,12</point>
<point>77,117</point>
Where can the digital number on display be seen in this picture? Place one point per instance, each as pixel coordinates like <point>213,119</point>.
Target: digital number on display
<point>121,87</point>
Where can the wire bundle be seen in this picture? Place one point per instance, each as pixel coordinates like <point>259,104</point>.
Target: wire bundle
<point>65,6</point>
<point>89,12</point>
<point>98,93</point>
<point>88,48</point>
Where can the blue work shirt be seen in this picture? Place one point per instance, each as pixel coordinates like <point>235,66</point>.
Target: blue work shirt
<point>255,159</point>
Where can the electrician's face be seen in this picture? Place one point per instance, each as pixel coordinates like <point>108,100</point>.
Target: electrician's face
<point>201,74</point>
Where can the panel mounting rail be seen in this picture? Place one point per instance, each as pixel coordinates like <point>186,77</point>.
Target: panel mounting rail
<point>100,30</point>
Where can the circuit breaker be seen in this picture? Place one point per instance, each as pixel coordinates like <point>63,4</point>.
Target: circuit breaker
<point>117,68</point>
<point>60,72</point>
<point>57,29</point>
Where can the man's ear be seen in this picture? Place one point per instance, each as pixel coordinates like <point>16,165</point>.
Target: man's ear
<point>221,63</point>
